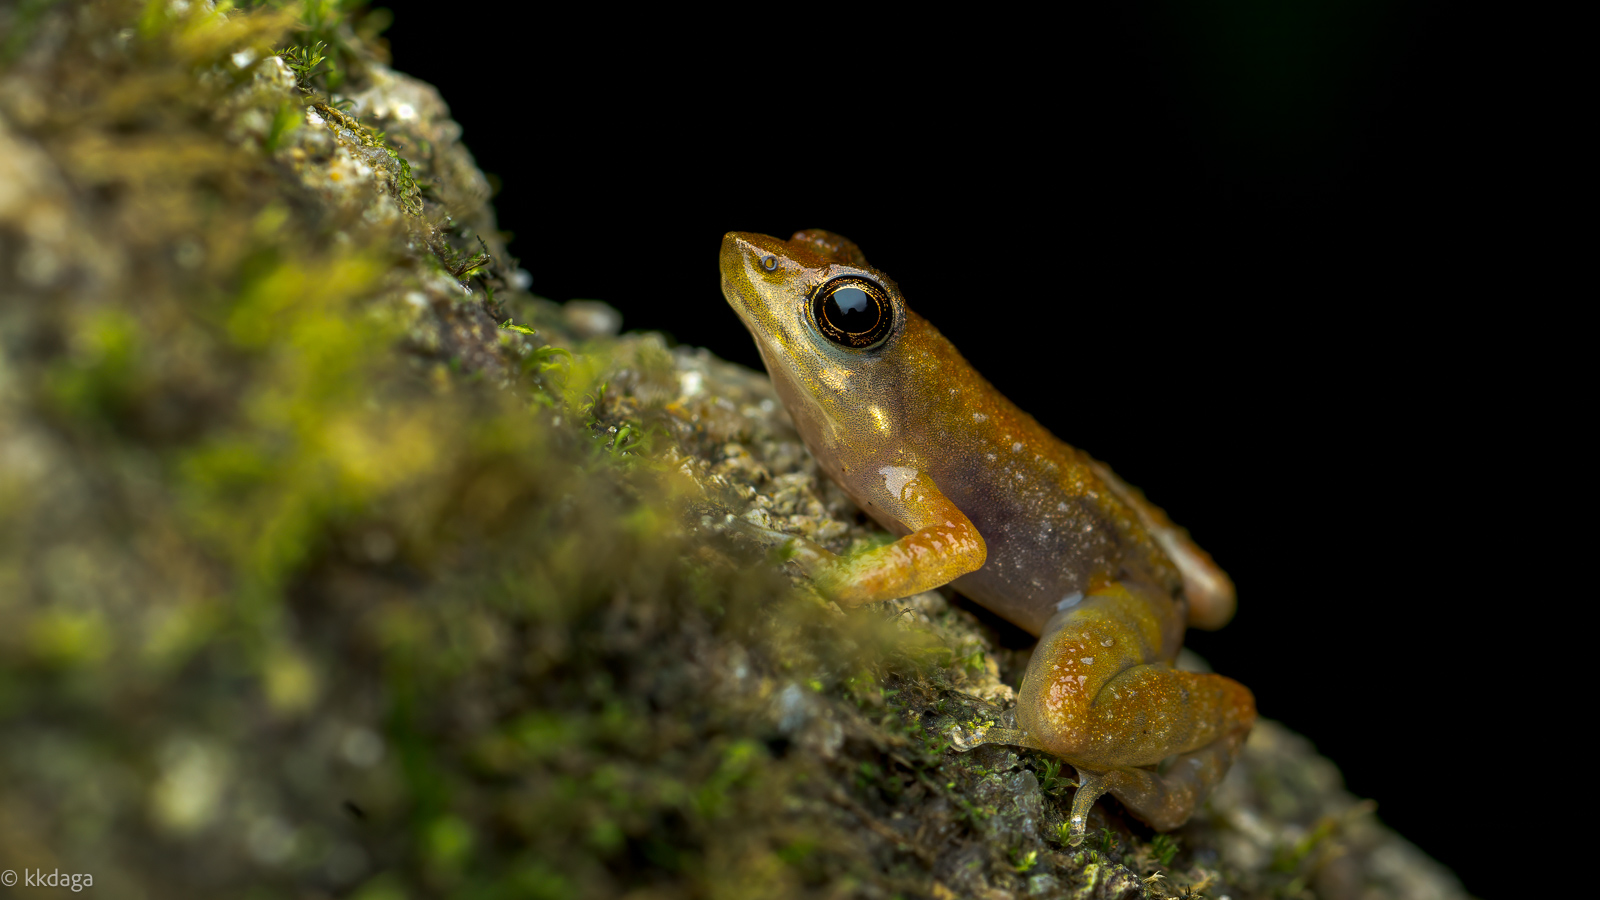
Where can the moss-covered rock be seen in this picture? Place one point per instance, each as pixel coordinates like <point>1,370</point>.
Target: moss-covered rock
<point>334,564</point>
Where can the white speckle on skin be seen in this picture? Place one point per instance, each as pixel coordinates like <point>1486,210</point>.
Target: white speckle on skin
<point>1087,660</point>
<point>1016,447</point>
<point>977,417</point>
<point>895,479</point>
<point>990,457</point>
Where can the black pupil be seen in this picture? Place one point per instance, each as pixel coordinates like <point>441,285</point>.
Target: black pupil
<point>850,310</point>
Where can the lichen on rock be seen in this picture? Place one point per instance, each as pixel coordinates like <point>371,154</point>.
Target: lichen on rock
<point>334,563</point>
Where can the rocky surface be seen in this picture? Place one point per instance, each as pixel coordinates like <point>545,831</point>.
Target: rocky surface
<point>334,564</point>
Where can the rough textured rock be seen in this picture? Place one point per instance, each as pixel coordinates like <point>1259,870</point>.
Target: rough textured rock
<point>334,564</point>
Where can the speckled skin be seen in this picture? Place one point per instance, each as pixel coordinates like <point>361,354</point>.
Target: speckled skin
<point>1019,521</point>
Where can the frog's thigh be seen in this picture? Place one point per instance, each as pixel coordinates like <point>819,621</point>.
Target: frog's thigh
<point>1098,694</point>
<point>943,545</point>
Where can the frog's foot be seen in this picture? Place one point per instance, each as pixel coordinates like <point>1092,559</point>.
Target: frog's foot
<point>964,740</point>
<point>812,557</point>
<point>1091,786</point>
<point>943,545</point>
<point>1165,798</point>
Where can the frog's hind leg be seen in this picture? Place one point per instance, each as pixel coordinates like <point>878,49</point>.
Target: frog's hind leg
<point>1101,693</point>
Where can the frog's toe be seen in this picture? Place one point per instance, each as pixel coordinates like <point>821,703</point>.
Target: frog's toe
<point>963,740</point>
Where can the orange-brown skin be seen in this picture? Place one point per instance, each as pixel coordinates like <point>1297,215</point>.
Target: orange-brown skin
<point>989,500</point>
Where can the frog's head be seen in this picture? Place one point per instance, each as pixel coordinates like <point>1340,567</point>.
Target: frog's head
<point>826,324</point>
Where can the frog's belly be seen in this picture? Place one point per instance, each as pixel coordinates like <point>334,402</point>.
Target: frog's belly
<point>1038,560</point>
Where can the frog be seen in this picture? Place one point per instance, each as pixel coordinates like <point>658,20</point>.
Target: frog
<point>978,495</point>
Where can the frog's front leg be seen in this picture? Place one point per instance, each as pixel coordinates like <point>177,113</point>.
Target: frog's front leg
<point>1101,694</point>
<point>943,545</point>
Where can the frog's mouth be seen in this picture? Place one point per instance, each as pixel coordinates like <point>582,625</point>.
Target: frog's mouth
<point>742,287</point>
<point>780,363</point>
<point>781,343</point>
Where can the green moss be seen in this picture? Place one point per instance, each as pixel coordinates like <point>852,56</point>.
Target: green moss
<point>333,41</point>
<point>98,381</point>
<point>1164,848</point>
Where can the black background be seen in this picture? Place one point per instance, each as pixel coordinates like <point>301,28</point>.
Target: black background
<point>1220,250</point>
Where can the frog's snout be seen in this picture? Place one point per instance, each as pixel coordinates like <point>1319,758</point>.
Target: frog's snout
<point>738,251</point>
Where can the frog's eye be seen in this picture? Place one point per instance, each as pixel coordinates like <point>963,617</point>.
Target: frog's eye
<point>769,262</point>
<point>853,312</point>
